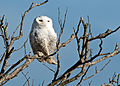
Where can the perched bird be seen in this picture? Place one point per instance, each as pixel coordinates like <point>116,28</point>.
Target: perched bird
<point>43,39</point>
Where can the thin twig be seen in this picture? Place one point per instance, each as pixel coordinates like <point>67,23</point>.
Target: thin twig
<point>2,57</point>
<point>6,60</point>
<point>58,68</point>
<point>62,25</point>
<point>83,76</point>
<point>43,82</point>
<point>105,34</point>
<point>27,79</point>
<point>98,71</point>
<point>49,68</point>
<point>21,46</point>
<point>90,32</point>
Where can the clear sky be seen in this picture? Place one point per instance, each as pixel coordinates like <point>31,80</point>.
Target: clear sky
<point>103,14</point>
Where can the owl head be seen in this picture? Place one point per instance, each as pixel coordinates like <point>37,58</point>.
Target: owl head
<point>43,21</point>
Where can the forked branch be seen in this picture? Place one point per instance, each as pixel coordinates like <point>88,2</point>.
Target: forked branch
<point>8,74</point>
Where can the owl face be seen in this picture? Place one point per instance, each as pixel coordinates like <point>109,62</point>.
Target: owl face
<point>44,21</point>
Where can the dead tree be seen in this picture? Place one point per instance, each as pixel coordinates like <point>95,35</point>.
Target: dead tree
<point>115,80</point>
<point>11,72</point>
<point>86,59</point>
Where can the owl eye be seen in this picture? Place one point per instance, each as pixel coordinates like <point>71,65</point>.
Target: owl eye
<point>41,20</point>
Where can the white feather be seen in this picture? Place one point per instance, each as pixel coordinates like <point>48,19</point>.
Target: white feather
<point>43,38</point>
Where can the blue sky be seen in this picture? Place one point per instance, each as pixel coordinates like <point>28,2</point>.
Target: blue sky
<point>103,14</point>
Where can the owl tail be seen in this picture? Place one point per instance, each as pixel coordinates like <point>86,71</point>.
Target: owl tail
<point>50,60</point>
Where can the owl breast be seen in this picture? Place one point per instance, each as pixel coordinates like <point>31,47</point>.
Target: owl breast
<point>39,35</point>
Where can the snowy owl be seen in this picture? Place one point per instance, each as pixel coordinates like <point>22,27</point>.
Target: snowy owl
<point>43,39</point>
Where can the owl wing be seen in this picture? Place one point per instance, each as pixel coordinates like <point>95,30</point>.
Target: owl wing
<point>38,44</point>
<point>52,42</point>
<point>42,46</point>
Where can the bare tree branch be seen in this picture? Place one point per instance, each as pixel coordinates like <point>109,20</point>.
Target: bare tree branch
<point>114,81</point>
<point>105,34</point>
<point>58,68</point>
<point>98,71</point>
<point>21,46</point>
<point>86,57</point>
<point>61,26</point>
<point>27,79</point>
<point>6,61</point>
<point>84,54</point>
<point>83,76</point>
<point>6,75</point>
<point>2,57</point>
<point>75,77</point>
<point>49,68</point>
